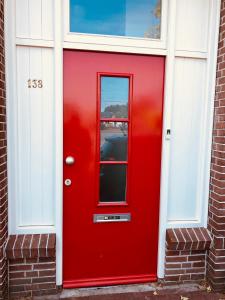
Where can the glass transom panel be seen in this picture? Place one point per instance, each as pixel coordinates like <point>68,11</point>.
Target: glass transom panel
<point>132,18</point>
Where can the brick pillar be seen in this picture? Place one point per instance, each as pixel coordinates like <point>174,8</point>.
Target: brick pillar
<point>216,221</point>
<point>32,265</point>
<point>3,162</point>
<point>186,250</point>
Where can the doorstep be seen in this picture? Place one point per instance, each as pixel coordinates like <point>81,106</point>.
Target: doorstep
<point>153,291</point>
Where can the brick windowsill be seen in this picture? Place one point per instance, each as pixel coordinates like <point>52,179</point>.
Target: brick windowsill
<point>186,250</point>
<point>188,238</point>
<point>30,246</point>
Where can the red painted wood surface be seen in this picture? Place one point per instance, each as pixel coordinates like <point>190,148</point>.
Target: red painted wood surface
<point>123,252</point>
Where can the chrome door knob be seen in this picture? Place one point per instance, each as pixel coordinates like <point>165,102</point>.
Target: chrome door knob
<point>68,182</point>
<point>70,160</point>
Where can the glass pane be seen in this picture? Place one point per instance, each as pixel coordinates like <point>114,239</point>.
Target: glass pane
<point>114,97</point>
<point>135,18</point>
<point>113,183</point>
<point>114,141</point>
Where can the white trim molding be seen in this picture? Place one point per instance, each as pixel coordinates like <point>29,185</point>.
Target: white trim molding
<point>168,95</point>
<point>58,139</point>
<point>213,40</point>
<point>11,108</point>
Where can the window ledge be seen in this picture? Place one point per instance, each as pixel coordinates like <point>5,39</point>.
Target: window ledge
<point>188,238</point>
<point>30,246</point>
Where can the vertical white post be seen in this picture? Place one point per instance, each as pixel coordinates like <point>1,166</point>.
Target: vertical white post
<point>213,39</point>
<point>11,109</point>
<point>168,92</point>
<point>58,57</point>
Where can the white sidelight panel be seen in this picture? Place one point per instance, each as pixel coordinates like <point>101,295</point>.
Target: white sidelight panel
<point>35,134</point>
<point>188,109</point>
<point>34,19</point>
<point>192,25</point>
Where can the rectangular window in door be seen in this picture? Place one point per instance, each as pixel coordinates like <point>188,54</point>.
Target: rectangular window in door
<point>114,130</point>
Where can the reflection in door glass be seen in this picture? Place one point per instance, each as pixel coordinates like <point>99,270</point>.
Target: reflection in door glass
<point>112,183</point>
<point>114,97</point>
<point>113,141</point>
<point>134,18</point>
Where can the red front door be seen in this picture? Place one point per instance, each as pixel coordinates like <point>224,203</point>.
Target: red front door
<point>112,129</point>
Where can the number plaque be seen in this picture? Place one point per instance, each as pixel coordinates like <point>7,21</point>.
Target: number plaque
<point>34,83</point>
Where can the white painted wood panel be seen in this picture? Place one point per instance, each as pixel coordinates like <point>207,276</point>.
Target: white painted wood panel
<point>34,19</point>
<point>22,18</point>
<point>47,19</point>
<point>192,25</point>
<point>186,128</point>
<point>35,137</point>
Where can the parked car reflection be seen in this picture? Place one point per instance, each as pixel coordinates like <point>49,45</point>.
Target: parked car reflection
<point>113,141</point>
<point>113,148</point>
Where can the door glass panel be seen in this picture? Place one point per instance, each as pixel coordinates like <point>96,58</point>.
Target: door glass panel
<point>114,121</point>
<point>114,141</point>
<point>134,18</point>
<point>113,183</point>
<point>114,97</point>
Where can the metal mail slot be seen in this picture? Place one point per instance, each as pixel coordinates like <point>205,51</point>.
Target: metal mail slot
<point>102,218</point>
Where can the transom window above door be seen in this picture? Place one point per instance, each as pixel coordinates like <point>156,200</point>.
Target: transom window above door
<point>128,18</point>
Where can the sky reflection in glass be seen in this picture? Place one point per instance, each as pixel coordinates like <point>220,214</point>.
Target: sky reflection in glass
<point>134,18</point>
<point>114,97</point>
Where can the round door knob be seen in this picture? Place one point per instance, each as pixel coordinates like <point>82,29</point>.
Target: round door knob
<point>70,160</point>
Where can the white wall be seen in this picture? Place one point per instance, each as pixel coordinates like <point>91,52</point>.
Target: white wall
<point>186,128</point>
<point>193,37</point>
<point>31,115</point>
<point>35,137</point>
<point>192,25</point>
<point>34,19</point>
<point>188,111</point>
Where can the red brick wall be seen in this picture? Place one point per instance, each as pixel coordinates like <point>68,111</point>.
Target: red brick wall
<point>3,161</point>
<point>186,250</point>
<point>183,266</point>
<point>32,265</point>
<point>216,220</point>
<point>30,277</point>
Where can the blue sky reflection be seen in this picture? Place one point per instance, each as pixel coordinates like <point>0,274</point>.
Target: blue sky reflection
<point>134,18</point>
<point>114,96</point>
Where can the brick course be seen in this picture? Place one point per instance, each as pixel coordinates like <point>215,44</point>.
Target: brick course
<point>31,246</point>
<point>186,250</point>
<point>3,162</point>
<point>188,239</point>
<point>216,218</point>
<point>30,277</point>
<point>183,266</point>
<point>32,265</point>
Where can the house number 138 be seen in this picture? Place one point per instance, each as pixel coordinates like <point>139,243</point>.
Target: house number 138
<point>34,83</point>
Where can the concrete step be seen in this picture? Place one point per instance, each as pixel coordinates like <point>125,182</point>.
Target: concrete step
<point>139,292</point>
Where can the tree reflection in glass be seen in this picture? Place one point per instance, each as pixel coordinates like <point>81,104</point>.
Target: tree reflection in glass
<point>114,97</point>
<point>113,138</point>
<point>134,18</point>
